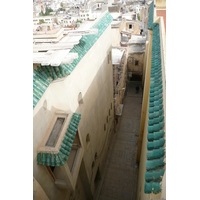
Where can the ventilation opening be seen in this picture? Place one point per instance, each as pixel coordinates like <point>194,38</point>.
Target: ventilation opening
<point>87,140</point>
<point>97,178</point>
<point>80,98</point>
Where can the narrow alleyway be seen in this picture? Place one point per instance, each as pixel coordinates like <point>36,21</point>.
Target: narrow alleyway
<point>119,181</point>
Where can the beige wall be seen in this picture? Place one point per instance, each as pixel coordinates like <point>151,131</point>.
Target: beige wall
<point>142,166</point>
<point>94,79</point>
<point>116,33</point>
<point>131,62</point>
<point>160,4</point>
<point>38,192</point>
<point>135,26</point>
<point>142,14</point>
<point>116,37</point>
<point>122,25</point>
<point>143,127</point>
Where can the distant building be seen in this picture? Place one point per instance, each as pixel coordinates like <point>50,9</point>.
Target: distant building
<point>45,19</point>
<point>136,46</point>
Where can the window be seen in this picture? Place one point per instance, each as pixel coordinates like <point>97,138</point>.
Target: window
<point>80,98</point>
<point>130,26</point>
<point>88,140</point>
<point>136,62</point>
<point>55,133</point>
<point>64,175</point>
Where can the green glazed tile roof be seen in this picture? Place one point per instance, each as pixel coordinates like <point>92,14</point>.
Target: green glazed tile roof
<point>155,154</point>
<point>53,159</point>
<point>43,76</point>
<point>151,16</point>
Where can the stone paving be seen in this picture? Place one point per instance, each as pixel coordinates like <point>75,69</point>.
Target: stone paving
<point>119,181</point>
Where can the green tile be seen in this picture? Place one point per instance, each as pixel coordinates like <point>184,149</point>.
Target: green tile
<point>155,175</point>
<point>152,188</point>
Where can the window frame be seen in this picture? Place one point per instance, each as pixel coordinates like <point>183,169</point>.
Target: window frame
<point>69,176</point>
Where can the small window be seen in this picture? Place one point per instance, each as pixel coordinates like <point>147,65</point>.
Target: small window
<point>88,140</point>
<point>136,62</point>
<point>55,133</point>
<point>80,98</point>
<point>108,58</point>
<point>130,26</point>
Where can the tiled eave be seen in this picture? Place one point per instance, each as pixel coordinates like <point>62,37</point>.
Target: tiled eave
<point>151,16</point>
<point>155,155</point>
<point>50,158</point>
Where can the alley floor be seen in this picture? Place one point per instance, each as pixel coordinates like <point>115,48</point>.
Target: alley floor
<point>119,181</point>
